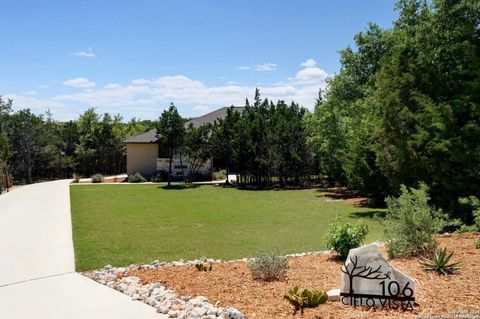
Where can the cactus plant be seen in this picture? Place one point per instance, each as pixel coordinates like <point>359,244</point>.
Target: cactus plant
<point>306,299</point>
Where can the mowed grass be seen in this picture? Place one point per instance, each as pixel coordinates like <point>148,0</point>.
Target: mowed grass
<point>124,224</point>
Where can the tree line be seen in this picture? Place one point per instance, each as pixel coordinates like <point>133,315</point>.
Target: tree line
<point>405,106</point>
<point>36,147</point>
<point>262,144</point>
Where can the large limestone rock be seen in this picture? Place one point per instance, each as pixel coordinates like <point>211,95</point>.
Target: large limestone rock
<point>367,279</point>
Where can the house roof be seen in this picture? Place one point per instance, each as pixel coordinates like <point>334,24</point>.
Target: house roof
<point>151,135</point>
<point>144,138</point>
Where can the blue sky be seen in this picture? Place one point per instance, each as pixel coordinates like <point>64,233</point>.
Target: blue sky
<point>135,57</point>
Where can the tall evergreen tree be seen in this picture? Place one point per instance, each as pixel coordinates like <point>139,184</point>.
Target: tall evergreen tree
<point>171,133</point>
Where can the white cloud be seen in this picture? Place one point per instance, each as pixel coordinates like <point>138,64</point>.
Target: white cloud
<point>310,63</point>
<point>147,98</point>
<point>86,54</point>
<point>311,75</point>
<point>243,68</point>
<point>80,83</point>
<point>35,104</point>
<point>112,86</point>
<point>201,109</point>
<point>266,67</point>
<point>32,92</point>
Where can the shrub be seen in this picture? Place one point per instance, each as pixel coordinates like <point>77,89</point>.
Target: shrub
<point>97,178</point>
<point>204,267</point>
<point>221,174</point>
<point>136,178</point>
<point>269,267</point>
<point>305,299</point>
<point>76,178</point>
<point>440,262</point>
<point>410,222</point>
<point>466,229</point>
<point>343,236</point>
<point>159,177</point>
<point>474,204</point>
<point>477,243</point>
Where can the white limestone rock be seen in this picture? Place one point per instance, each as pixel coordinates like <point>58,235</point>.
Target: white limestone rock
<point>369,280</point>
<point>333,295</point>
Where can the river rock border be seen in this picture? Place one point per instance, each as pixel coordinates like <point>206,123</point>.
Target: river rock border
<point>165,300</point>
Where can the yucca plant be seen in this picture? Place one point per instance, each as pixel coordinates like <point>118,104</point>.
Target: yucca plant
<point>305,299</point>
<point>440,262</point>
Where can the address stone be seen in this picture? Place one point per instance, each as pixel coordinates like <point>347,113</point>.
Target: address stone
<point>367,279</point>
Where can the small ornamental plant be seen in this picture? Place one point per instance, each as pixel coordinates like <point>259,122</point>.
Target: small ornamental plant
<point>136,178</point>
<point>97,178</point>
<point>343,236</point>
<point>204,267</point>
<point>440,262</point>
<point>269,267</point>
<point>305,299</point>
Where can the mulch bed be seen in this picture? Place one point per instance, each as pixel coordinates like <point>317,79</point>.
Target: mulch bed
<point>232,285</point>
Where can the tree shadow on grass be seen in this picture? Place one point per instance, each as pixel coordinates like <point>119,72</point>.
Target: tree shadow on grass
<point>351,196</point>
<point>374,214</point>
<point>179,186</point>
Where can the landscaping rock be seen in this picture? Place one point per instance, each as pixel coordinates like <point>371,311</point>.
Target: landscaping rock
<point>333,295</point>
<point>164,300</point>
<point>368,279</point>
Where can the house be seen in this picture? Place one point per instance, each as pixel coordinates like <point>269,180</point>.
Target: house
<point>146,156</point>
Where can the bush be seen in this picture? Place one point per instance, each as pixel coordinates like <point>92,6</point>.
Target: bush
<point>410,222</point>
<point>218,175</point>
<point>474,204</point>
<point>305,299</point>
<point>269,267</point>
<point>97,178</point>
<point>466,229</point>
<point>343,236</point>
<point>159,177</point>
<point>136,178</point>
<point>204,267</point>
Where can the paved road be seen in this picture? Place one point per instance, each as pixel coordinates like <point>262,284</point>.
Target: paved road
<point>37,271</point>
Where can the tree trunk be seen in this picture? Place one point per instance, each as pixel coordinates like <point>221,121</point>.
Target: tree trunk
<point>170,168</point>
<point>227,170</point>
<point>183,172</point>
<point>29,169</point>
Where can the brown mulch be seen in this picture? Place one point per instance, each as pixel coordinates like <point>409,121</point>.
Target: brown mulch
<point>232,285</point>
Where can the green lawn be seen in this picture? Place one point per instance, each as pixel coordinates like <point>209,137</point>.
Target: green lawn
<point>124,224</point>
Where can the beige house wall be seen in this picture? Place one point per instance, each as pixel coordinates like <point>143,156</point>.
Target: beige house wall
<point>142,158</point>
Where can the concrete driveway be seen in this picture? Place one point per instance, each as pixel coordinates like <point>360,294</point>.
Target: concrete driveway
<point>37,265</point>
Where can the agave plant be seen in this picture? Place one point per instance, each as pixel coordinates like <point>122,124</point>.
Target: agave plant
<point>305,299</point>
<point>440,262</point>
